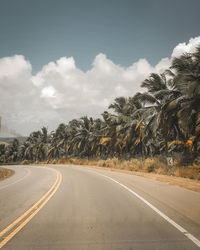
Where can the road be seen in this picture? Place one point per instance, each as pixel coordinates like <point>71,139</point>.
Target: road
<point>76,208</point>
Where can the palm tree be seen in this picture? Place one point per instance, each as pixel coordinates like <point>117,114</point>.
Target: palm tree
<point>159,116</point>
<point>163,119</point>
<point>185,73</point>
<point>57,147</point>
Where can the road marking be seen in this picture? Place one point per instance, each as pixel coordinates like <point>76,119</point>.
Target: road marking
<point>173,223</point>
<point>27,174</point>
<point>21,221</point>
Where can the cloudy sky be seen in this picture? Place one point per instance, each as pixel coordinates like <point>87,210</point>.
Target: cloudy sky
<point>63,59</point>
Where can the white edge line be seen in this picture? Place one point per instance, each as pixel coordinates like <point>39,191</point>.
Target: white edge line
<point>173,223</point>
<point>10,184</point>
<point>26,175</point>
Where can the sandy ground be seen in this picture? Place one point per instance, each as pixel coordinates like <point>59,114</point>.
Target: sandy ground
<point>5,173</point>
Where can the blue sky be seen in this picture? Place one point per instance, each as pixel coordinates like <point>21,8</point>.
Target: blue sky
<point>64,59</point>
<point>125,30</point>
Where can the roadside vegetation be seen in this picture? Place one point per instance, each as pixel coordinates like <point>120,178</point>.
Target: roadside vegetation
<point>139,133</point>
<point>5,173</point>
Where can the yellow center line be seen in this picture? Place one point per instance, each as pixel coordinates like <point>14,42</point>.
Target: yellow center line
<point>32,208</point>
<point>31,211</point>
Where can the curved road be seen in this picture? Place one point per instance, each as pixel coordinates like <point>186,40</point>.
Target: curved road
<point>94,209</point>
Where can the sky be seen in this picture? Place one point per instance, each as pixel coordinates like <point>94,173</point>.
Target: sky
<point>63,59</point>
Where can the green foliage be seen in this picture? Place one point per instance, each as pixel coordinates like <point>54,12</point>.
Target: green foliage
<point>164,119</point>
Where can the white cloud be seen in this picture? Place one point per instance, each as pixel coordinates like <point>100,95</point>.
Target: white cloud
<point>162,65</point>
<point>14,66</point>
<point>186,48</point>
<point>48,92</point>
<point>61,91</point>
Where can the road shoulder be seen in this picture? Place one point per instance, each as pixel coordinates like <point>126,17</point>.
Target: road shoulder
<point>5,173</point>
<point>193,185</point>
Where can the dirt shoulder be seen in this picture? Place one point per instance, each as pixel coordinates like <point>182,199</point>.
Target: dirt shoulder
<point>151,168</point>
<point>186,183</point>
<point>5,173</point>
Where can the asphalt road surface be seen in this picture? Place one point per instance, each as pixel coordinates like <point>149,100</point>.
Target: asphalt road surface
<point>76,208</point>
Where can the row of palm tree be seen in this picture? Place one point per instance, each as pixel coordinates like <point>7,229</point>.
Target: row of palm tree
<point>162,120</point>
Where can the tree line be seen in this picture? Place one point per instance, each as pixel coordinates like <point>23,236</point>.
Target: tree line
<point>164,119</point>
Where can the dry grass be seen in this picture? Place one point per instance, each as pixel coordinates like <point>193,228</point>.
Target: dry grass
<point>5,173</point>
<point>149,168</point>
<point>149,165</point>
<point>182,176</point>
<point>25,162</point>
<point>4,143</point>
<point>191,172</point>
